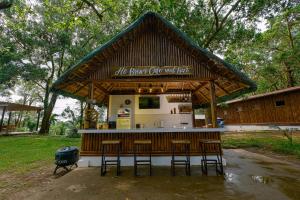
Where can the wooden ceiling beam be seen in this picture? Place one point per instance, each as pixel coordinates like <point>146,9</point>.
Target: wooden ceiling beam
<point>203,96</point>
<point>99,86</point>
<point>219,86</point>
<point>200,86</point>
<point>81,87</point>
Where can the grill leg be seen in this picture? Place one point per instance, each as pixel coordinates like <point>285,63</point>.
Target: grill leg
<point>56,168</point>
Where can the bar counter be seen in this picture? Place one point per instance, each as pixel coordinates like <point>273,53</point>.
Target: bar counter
<point>160,137</point>
<point>152,130</point>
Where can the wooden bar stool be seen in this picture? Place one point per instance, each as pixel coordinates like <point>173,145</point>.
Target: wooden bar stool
<point>104,163</point>
<point>142,146</point>
<point>186,162</point>
<point>217,148</point>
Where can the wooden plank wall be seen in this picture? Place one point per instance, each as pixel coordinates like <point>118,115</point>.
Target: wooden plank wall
<point>263,110</point>
<point>161,142</point>
<point>152,49</point>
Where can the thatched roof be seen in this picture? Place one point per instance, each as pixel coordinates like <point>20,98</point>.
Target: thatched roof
<point>97,66</point>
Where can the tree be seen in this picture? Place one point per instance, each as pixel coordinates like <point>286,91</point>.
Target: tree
<point>212,24</point>
<point>49,36</point>
<point>272,57</point>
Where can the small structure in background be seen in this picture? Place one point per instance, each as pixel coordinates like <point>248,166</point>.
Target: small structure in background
<point>6,107</point>
<point>280,108</point>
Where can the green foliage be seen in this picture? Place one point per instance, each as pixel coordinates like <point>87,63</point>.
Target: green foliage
<point>272,57</point>
<point>58,129</point>
<point>44,38</point>
<point>211,24</point>
<point>72,132</point>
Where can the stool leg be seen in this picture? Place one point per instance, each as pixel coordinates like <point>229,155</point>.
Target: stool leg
<point>118,162</point>
<point>102,160</point>
<point>205,159</point>
<point>135,163</point>
<point>221,163</point>
<point>201,149</point>
<point>150,159</point>
<point>172,161</point>
<point>188,160</point>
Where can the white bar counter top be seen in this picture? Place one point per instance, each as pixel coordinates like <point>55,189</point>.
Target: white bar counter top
<point>152,130</point>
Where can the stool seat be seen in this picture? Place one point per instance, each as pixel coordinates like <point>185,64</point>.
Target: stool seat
<point>181,141</point>
<point>212,141</point>
<point>111,142</point>
<point>142,142</point>
<point>203,140</point>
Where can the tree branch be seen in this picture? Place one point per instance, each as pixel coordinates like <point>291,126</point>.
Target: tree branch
<point>221,24</point>
<point>5,4</point>
<point>100,16</point>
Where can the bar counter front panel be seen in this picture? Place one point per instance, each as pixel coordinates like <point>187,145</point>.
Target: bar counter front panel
<point>161,140</point>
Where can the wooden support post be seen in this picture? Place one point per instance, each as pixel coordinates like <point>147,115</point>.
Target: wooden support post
<point>2,117</point>
<point>90,95</point>
<point>193,110</point>
<point>194,120</point>
<point>8,122</point>
<point>107,107</point>
<point>38,120</point>
<point>213,104</point>
<point>88,113</point>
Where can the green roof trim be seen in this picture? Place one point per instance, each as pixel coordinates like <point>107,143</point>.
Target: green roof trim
<point>227,97</point>
<point>244,78</point>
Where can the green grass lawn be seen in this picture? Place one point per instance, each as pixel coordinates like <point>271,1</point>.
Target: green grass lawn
<point>23,153</point>
<point>273,141</point>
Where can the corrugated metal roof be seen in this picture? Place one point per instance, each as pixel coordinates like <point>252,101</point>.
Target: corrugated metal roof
<point>18,107</point>
<point>290,89</point>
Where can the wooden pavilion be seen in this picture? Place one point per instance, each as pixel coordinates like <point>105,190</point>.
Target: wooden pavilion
<point>14,107</point>
<point>152,57</point>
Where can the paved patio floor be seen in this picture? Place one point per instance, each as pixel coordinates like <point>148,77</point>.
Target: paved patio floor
<point>248,176</point>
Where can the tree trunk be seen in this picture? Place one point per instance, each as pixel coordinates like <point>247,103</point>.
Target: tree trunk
<point>289,75</point>
<point>81,115</point>
<point>45,126</point>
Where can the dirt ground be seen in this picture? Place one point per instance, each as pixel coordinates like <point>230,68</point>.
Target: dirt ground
<point>248,176</point>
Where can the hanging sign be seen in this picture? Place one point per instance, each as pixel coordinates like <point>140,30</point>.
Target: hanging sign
<point>152,71</point>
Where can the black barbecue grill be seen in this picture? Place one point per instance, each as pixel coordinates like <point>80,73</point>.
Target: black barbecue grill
<point>66,157</point>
